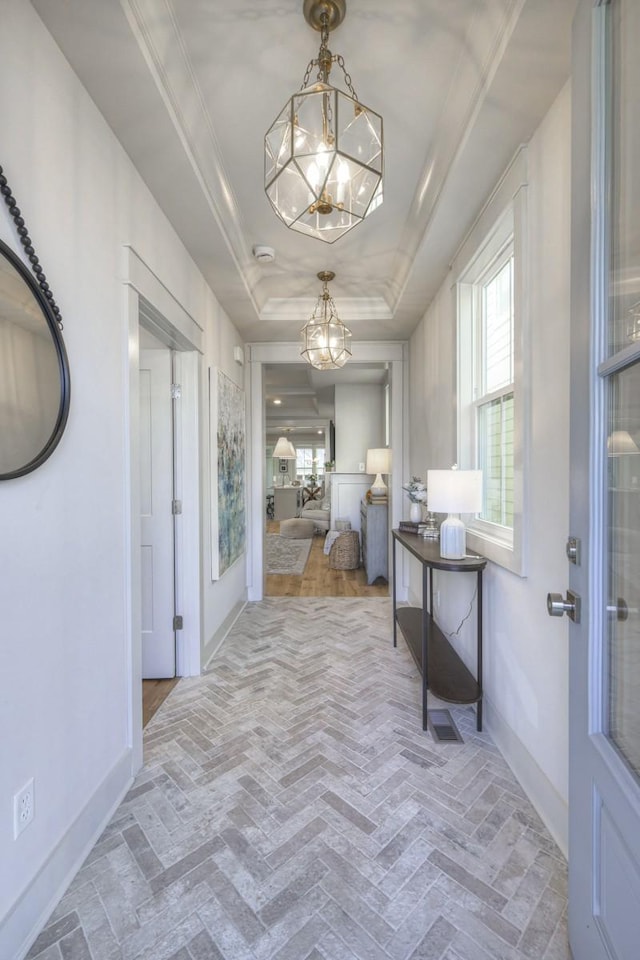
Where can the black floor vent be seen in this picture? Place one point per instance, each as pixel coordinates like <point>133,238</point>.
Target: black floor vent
<point>442,727</point>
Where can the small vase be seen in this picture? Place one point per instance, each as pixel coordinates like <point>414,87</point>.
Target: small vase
<point>415,512</point>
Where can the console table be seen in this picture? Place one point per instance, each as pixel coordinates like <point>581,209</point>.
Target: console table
<point>442,670</point>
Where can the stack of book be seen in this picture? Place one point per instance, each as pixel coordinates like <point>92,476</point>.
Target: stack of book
<point>427,529</point>
<point>408,526</point>
<point>372,498</point>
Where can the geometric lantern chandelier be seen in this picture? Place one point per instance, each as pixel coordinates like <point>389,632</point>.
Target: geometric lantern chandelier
<point>326,342</point>
<point>324,151</point>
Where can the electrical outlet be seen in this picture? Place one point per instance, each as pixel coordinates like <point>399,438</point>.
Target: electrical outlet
<point>23,808</point>
<point>361,467</point>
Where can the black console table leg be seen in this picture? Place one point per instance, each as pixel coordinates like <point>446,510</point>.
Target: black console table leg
<point>425,650</point>
<point>479,636</point>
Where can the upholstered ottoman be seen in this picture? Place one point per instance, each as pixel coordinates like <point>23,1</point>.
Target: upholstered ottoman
<point>297,528</point>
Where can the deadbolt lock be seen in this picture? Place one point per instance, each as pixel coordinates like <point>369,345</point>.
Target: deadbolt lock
<point>573,550</point>
<point>556,606</point>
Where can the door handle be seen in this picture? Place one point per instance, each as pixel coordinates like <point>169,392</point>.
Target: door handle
<point>556,606</point>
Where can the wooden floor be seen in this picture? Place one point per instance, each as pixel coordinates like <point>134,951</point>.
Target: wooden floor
<point>318,580</point>
<point>154,692</point>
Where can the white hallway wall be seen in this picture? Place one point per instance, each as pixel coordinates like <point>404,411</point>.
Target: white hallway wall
<point>526,653</point>
<point>64,657</point>
<point>359,422</point>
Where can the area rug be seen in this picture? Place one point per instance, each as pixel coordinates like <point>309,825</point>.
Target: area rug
<point>286,556</point>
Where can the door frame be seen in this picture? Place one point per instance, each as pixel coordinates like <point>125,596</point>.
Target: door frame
<point>392,352</point>
<point>148,301</point>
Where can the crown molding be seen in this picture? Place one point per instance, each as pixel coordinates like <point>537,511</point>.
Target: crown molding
<point>349,308</point>
<point>177,84</point>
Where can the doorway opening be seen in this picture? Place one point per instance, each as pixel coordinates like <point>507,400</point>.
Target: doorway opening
<point>158,507</point>
<point>348,479</point>
<point>158,517</point>
<point>158,324</point>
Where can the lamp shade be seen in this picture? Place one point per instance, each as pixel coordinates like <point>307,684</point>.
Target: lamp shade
<point>379,460</point>
<point>284,449</point>
<point>454,491</point>
<point>620,443</point>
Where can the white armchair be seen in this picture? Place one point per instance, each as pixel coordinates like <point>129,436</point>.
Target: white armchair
<point>319,511</point>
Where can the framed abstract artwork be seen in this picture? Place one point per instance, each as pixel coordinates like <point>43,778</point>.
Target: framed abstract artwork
<point>227,455</point>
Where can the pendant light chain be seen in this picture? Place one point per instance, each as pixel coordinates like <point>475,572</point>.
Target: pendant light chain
<point>336,58</point>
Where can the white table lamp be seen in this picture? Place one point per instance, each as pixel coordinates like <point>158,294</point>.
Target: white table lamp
<point>379,462</point>
<point>454,492</point>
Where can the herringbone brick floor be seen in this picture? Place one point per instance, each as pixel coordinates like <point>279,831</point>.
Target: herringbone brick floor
<point>291,807</point>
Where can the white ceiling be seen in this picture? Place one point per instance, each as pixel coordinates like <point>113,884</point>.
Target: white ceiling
<point>307,395</point>
<point>190,87</point>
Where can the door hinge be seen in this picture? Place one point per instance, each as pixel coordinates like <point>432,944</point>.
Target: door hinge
<point>178,623</point>
<point>176,391</point>
<point>176,507</point>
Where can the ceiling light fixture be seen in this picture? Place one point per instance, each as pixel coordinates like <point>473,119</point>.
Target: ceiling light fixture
<point>326,342</point>
<point>324,151</point>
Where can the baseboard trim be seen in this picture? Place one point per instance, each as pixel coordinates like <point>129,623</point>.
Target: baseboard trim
<point>216,641</point>
<point>550,806</point>
<point>38,900</point>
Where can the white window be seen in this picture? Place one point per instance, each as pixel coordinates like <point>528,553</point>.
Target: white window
<point>491,421</point>
<point>494,388</point>
<point>309,462</point>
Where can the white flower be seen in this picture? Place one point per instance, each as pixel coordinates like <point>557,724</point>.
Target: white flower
<point>416,490</point>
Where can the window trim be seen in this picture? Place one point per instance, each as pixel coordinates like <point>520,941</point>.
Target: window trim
<point>502,221</point>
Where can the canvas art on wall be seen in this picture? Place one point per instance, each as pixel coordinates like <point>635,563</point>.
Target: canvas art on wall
<point>227,442</point>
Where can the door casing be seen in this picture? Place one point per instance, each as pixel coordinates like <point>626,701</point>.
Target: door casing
<point>392,352</point>
<point>147,300</point>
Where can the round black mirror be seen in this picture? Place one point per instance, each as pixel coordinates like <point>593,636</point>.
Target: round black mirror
<point>34,371</point>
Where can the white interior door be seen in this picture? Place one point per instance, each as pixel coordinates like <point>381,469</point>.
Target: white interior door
<point>604,799</point>
<point>157,527</point>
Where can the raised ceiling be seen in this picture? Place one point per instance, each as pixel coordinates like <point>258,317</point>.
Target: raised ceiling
<point>190,86</point>
<point>306,396</point>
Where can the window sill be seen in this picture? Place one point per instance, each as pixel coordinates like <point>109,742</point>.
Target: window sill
<point>497,551</point>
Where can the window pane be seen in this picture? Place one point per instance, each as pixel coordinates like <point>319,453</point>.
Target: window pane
<point>495,459</point>
<point>622,631</point>
<point>304,457</point>
<point>624,286</point>
<point>497,329</point>
<point>624,568</point>
<point>309,460</point>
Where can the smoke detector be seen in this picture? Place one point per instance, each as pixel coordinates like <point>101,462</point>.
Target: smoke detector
<point>264,254</point>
